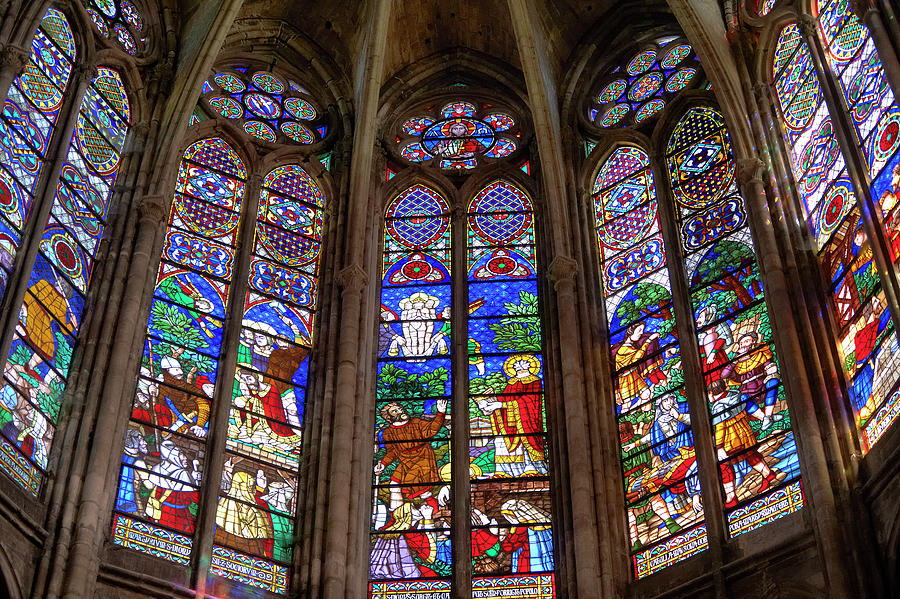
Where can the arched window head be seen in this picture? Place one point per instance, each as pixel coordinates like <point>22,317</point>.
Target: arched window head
<point>27,125</point>
<point>268,106</point>
<point>72,220</point>
<point>870,105</point>
<point>651,401</point>
<point>119,20</point>
<point>457,136</point>
<point>634,92</point>
<point>507,522</point>
<point>866,331</point>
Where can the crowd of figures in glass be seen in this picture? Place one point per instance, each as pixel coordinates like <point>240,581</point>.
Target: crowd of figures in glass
<point>255,513</point>
<point>52,308</point>
<point>662,488</point>
<point>165,444</point>
<point>754,441</point>
<point>866,332</point>
<point>509,520</point>
<point>164,454</point>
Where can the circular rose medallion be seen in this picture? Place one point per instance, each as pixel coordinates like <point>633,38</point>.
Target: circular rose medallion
<point>262,106</point>
<point>458,138</point>
<point>612,92</point>
<point>230,83</point>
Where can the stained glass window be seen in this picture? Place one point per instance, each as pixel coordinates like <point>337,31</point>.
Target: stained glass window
<point>665,515</point>
<point>754,441</point>
<point>764,7</point>
<point>509,505</point>
<point>866,331</point>
<point>265,106</point>
<point>411,513</point>
<point>165,442</point>
<point>510,508</point>
<point>871,107</point>
<point>118,20</point>
<point>635,92</point>
<point>37,366</point>
<point>256,507</point>
<point>29,118</point>
<point>457,136</point>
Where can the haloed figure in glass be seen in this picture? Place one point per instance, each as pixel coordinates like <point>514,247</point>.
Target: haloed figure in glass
<point>514,414</point>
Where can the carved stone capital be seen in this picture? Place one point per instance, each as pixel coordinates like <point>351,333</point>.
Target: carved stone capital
<point>84,72</point>
<point>153,210</point>
<point>562,271</point>
<point>352,278</point>
<point>762,91</point>
<point>809,26</point>
<point>13,58</point>
<point>749,170</point>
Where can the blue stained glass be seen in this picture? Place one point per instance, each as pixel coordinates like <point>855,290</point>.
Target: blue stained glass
<point>654,426</point>
<point>53,304</point>
<point>832,208</point>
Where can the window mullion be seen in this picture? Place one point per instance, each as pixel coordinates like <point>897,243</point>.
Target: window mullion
<point>855,164</point>
<point>43,197</point>
<point>703,433</point>
<point>461,536</point>
<point>221,404</point>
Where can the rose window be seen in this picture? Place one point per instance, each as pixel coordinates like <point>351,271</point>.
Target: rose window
<point>634,93</point>
<point>458,135</point>
<point>268,107</point>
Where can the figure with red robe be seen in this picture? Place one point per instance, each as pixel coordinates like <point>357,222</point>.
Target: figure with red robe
<point>517,418</point>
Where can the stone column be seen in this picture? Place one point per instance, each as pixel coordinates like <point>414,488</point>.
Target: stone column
<point>580,491</point>
<point>695,389</point>
<point>353,281</point>
<point>811,450</point>
<point>221,404</point>
<point>461,537</point>
<point>574,435</point>
<point>352,399</point>
<point>871,17</point>
<point>73,577</point>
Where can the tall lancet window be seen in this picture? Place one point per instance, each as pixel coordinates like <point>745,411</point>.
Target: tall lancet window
<point>70,194</point>
<point>739,376</point>
<point>867,343</point>
<point>415,513</point>
<point>220,264</point>
<point>754,441</point>
<point>659,468</point>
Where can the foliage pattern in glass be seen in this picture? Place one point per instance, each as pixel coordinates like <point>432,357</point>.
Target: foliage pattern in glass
<point>659,467</point>
<point>411,511</point>
<point>257,502</point>
<point>754,440</point>
<point>509,463</point>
